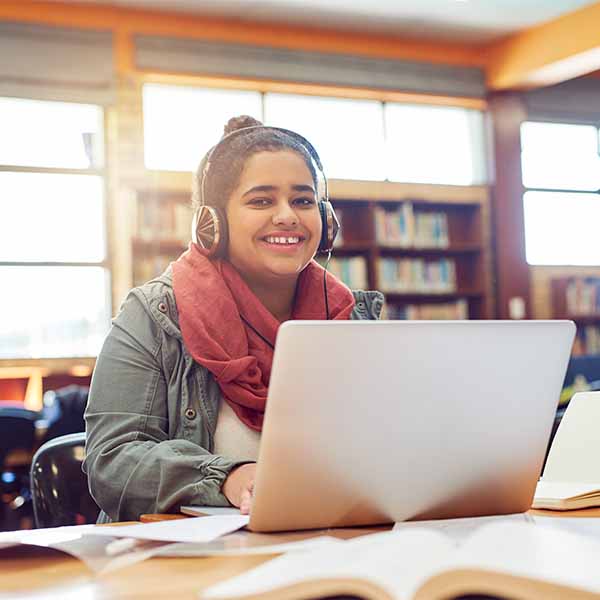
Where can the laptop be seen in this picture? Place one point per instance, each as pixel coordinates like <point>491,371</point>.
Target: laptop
<point>371,422</point>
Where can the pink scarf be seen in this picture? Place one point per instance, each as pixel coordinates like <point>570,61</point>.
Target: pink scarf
<point>211,296</point>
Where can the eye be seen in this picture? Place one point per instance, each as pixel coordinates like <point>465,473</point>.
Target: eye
<point>259,202</point>
<point>304,201</point>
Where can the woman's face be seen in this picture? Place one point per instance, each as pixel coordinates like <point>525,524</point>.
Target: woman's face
<point>273,217</point>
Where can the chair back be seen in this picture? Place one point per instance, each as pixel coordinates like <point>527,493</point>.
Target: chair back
<point>17,430</point>
<point>59,487</point>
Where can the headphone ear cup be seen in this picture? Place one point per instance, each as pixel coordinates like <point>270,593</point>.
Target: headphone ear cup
<point>209,231</point>
<point>330,226</point>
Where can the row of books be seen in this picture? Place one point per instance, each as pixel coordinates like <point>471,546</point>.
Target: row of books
<point>587,341</point>
<point>163,220</point>
<point>446,311</point>
<point>148,267</point>
<point>403,227</point>
<point>583,296</point>
<point>417,275</point>
<point>352,271</point>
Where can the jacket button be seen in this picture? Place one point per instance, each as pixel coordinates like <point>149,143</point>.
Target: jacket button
<point>162,307</point>
<point>190,414</point>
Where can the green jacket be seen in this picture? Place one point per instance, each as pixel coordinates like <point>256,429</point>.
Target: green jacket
<point>152,411</point>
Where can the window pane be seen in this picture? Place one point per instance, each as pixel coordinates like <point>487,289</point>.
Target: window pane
<point>182,123</point>
<point>50,134</point>
<point>561,228</point>
<point>51,217</point>
<point>560,156</point>
<point>54,311</point>
<point>435,144</point>
<point>347,134</point>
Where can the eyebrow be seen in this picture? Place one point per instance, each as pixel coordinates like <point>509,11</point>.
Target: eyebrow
<point>272,188</point>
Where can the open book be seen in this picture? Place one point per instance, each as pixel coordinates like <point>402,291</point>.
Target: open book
<point>516,560</point>
<point>566,495</point>
<point>571,476</point>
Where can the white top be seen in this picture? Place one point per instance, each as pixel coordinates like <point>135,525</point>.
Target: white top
<point>233,439</point>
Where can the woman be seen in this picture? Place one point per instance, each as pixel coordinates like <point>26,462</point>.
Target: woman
<point>179,390</point>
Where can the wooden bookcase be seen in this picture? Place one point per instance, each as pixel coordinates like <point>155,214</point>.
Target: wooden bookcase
<point>578,299</point>
<point>162,225</point>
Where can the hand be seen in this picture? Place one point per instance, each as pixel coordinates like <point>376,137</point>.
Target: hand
<point>239,486</point>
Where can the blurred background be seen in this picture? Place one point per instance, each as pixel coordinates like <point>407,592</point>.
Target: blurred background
<point>460,138</point>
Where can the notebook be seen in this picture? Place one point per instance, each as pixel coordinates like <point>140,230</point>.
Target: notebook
<point>571,478</point>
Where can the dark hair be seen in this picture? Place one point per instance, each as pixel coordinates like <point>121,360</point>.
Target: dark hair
<point>228,159</point>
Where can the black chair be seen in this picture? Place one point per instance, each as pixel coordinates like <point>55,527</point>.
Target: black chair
<point>17,432</point>
<point>64,409</point>
<point>59,486</point>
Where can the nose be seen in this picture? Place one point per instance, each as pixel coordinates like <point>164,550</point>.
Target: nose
<point>285,215</point>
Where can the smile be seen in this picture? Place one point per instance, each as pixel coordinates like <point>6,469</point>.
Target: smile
<point>285,241</point>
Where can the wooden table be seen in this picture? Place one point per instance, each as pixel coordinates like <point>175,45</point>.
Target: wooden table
<point>42,574</point>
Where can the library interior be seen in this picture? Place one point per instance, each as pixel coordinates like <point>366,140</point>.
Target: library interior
<point>460,147</point>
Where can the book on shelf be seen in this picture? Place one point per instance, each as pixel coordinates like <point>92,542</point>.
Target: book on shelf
<point>351,270</point>
<point>583,296</point>
<point>452,311</point>
<point>147,267</point>
<point>571,477</point>
<point>516,560</point>
<point>404,227</point>
<point>163,219</point>
<point>587,340</point>
<point>417,275</point>
<point>339,238</point>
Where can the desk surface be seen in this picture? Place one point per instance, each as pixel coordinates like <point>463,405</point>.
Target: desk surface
<point>42,574</point>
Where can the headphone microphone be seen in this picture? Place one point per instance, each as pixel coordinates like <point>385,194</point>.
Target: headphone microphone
<point>209,225</point>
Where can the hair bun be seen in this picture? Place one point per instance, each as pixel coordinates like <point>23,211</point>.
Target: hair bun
<point>240,122</point>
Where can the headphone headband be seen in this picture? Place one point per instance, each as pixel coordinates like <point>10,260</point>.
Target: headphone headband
<point>303,142</point>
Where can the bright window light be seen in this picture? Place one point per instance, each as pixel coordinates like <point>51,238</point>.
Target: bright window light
<point>560,156</point>
<point>561,228</point>
<point>54,311</point>
<point>347,134</point>
<point>51,218</point>
<point>37,133</point>
<point>435,144</point>
<point>182,123</point>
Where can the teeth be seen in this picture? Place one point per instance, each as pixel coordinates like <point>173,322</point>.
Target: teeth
<point>282,240</point>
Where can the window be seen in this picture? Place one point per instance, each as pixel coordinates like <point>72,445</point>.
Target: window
<point>434,144</point>
<point>182,123</point>
<point>348,134</point>
<point>356,139</point>
<point>561,174</point>
<point>53,263</point>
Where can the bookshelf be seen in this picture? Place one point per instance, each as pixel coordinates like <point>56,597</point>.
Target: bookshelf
<point>442,261</point>
<point>161,231</point>
<point>427,257</point>
<point>578,299</point>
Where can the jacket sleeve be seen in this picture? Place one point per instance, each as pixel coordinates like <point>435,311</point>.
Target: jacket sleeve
<point>132,465</point>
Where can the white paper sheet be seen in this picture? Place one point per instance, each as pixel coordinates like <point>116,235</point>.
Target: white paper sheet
<point>195,529</point>
<point>458,530</point>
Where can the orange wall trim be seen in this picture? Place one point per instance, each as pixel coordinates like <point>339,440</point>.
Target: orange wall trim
<point>130,21</point>
<point>562,49</point>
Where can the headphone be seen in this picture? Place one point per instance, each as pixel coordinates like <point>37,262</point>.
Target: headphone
<point>209,225</point>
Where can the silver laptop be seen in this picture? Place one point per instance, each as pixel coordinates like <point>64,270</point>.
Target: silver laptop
<point>372,422</point>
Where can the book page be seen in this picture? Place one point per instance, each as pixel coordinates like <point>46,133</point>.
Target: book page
<point>561,490</point>
<point>397,562</point>
<point>459,530</point>
<point>545,553</point>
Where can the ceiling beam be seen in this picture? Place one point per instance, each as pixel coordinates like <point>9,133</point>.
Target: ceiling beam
<point>556,51</point>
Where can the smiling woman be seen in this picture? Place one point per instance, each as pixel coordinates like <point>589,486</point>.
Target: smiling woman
<point>180,388</point>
